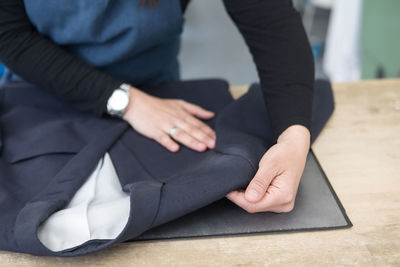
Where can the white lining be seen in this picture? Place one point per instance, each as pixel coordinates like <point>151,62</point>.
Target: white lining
<point>98,210</point>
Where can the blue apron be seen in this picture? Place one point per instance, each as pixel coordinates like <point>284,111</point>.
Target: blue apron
<point>136,43</point>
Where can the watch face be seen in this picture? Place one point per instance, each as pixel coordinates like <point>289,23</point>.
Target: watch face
<point>119,100</point>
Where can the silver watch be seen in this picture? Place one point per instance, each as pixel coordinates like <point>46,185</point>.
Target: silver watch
<point>119,100</point>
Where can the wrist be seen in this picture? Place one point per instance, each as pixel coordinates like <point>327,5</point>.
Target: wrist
<point>133,97</point>
<point>296,135</point>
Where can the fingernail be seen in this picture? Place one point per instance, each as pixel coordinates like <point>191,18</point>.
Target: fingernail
<point>174,147</point>
<point>252,195</point>
<point>201,146</point>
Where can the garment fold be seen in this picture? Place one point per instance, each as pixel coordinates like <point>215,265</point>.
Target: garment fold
<point>50,150</point>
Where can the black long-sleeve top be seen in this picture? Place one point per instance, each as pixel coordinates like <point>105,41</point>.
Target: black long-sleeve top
<point>272,30</point>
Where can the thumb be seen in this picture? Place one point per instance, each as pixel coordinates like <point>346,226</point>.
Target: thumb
<point>259,184</point>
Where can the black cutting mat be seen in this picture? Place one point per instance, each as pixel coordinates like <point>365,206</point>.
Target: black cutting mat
<point>317,208</point>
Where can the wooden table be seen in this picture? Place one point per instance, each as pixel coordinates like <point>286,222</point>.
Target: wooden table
<point>360,152</point>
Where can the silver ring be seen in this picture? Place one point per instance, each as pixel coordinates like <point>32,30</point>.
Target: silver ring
<point>173,130</point>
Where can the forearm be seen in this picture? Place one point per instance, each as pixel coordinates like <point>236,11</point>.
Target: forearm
<point>40,61</point>
<point>275,36</point>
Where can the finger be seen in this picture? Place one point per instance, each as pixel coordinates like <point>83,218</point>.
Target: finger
<point>167,142</point>
<point>268,203</point>
<point>197,110</point>
<point>238,198</point>
<point>201,125</point>
<point>260,183</point>
<point>183,137</point>
<point>197,133</point>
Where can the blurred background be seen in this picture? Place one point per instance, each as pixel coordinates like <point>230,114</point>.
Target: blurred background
<point>351,40</point>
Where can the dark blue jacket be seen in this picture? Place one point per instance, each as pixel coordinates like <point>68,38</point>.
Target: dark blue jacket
<point>48,149</point>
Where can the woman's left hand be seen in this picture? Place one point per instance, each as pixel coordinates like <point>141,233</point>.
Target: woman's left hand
<point>275,184</point>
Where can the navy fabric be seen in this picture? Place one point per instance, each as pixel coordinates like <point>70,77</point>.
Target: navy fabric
<point>136,43</point>
<point>48,150</point>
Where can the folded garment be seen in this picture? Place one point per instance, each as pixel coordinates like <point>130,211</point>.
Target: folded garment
<point>49,150</point>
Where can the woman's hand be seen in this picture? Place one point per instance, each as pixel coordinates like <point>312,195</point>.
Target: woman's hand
<point>275,184</point>
<point>155,117</point>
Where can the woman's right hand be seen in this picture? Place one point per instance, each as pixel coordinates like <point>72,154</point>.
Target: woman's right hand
<point>154,118</point>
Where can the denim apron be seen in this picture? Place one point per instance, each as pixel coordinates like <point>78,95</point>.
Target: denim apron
<point>136,43</point>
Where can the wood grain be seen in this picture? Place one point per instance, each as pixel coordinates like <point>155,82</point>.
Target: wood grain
<point>360,152</point>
